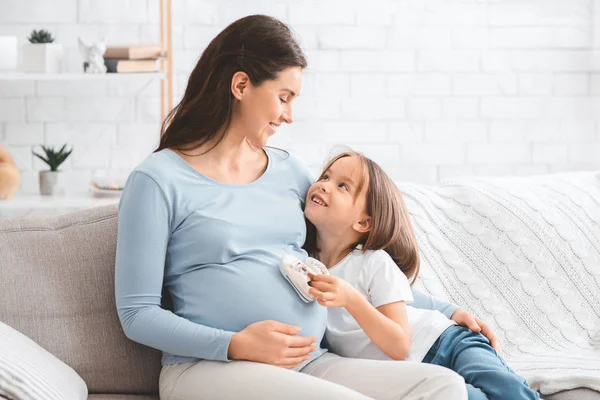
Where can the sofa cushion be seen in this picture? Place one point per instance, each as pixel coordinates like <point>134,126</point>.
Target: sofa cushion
<point>27,371</point>
<point>575,394</point>
<point>524,255</point>
<point>57,287</point>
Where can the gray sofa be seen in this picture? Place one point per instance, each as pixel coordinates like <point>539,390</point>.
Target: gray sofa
<point>56,286</point>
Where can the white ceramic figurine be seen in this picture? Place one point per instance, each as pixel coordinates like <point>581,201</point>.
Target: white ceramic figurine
<point>94,56</point>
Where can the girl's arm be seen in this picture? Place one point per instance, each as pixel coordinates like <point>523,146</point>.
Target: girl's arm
<point>455,313</point>
<point>428,302</point>
<point>386,326</point>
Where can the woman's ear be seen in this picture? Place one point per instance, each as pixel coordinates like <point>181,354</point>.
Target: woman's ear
<point>239,83</point>
<point>363,225</point>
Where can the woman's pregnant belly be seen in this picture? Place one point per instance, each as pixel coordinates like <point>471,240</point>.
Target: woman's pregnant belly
<point>233,296</point>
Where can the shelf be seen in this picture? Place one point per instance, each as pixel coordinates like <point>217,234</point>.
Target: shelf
<point>72,200</point>
<point>24,76</point>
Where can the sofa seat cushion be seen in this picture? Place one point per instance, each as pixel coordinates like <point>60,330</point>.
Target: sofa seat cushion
<point>57,287</point>
<point>125,397</point>
<point>575,394</point>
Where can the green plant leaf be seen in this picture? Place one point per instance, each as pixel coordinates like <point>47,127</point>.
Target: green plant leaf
<point>42,158</point>
<point>54,158</point>
<point>67,154</point>
<point>41,36</point>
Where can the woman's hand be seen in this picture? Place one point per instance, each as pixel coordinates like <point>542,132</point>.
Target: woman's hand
<point>331,291</point>
<point>271,342</point>
<point>463,318</point>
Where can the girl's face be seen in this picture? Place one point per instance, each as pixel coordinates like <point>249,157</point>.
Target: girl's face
<point>262,109</point>
<point>334,203</point>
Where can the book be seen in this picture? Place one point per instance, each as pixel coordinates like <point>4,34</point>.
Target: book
<point>117,65</point>
<point>133,52</point>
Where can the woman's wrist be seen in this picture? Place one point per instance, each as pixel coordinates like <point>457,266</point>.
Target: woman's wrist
<point>235,349</point>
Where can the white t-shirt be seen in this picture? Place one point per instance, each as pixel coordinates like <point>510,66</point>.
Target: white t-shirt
<point>377,277</point>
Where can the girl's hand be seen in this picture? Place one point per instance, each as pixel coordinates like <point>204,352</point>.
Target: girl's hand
<point>331,291</point>
<point>463,318</point>
<point>271,342</point>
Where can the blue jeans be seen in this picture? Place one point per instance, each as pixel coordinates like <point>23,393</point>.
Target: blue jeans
<point>485,372</point>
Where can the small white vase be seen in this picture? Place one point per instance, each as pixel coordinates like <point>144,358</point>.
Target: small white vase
<point>43,57</point>
<point>8,53</point>
<point>51,183</point>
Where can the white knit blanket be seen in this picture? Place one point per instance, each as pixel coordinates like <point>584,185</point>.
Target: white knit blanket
<point>523,254</point>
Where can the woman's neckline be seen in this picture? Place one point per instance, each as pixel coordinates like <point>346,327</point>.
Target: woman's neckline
<point>216,182</point>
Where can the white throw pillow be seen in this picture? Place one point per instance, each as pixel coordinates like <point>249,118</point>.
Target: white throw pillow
<point>28,372</point>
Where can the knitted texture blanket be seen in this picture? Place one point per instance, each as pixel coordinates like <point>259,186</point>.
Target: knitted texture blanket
<point>523,254</point>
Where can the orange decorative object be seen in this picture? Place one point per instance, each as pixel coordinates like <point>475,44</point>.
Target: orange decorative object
<point>9,175</point>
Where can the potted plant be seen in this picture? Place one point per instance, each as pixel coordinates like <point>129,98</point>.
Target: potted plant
<point>50,182</point>
<point>41,54</point>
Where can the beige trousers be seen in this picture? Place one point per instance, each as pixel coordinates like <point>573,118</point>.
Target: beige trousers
<point>329,377</point>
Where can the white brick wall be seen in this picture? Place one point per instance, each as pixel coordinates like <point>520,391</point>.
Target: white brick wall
<point>432,89</point>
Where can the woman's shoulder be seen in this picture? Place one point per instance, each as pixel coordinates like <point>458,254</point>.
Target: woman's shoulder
<point>291,164</point>
<point>154,176</point>
<point>157,165</point>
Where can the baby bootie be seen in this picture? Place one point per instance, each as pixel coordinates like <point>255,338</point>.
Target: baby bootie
<point>296,273</point>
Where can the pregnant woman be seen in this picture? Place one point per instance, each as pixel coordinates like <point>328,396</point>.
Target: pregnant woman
<point>208,216</point>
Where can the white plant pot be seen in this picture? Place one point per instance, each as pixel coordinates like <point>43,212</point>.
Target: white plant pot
<point>8,53</point>
<point>51,183</point>
<point>43,57</point>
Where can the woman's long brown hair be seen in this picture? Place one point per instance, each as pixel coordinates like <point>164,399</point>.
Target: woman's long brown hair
<point>391,229</point>
<point>259,45</point>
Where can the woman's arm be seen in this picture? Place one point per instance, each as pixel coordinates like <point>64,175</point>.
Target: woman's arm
<point>428,302</point>
<point>143,235</point>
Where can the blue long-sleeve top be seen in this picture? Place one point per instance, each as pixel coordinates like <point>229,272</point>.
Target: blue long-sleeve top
<point>216,249</point>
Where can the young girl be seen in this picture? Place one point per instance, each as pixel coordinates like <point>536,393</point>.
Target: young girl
<point>363,235</point>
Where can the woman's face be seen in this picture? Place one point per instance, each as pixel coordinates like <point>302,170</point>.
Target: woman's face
<point>262,109</point>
